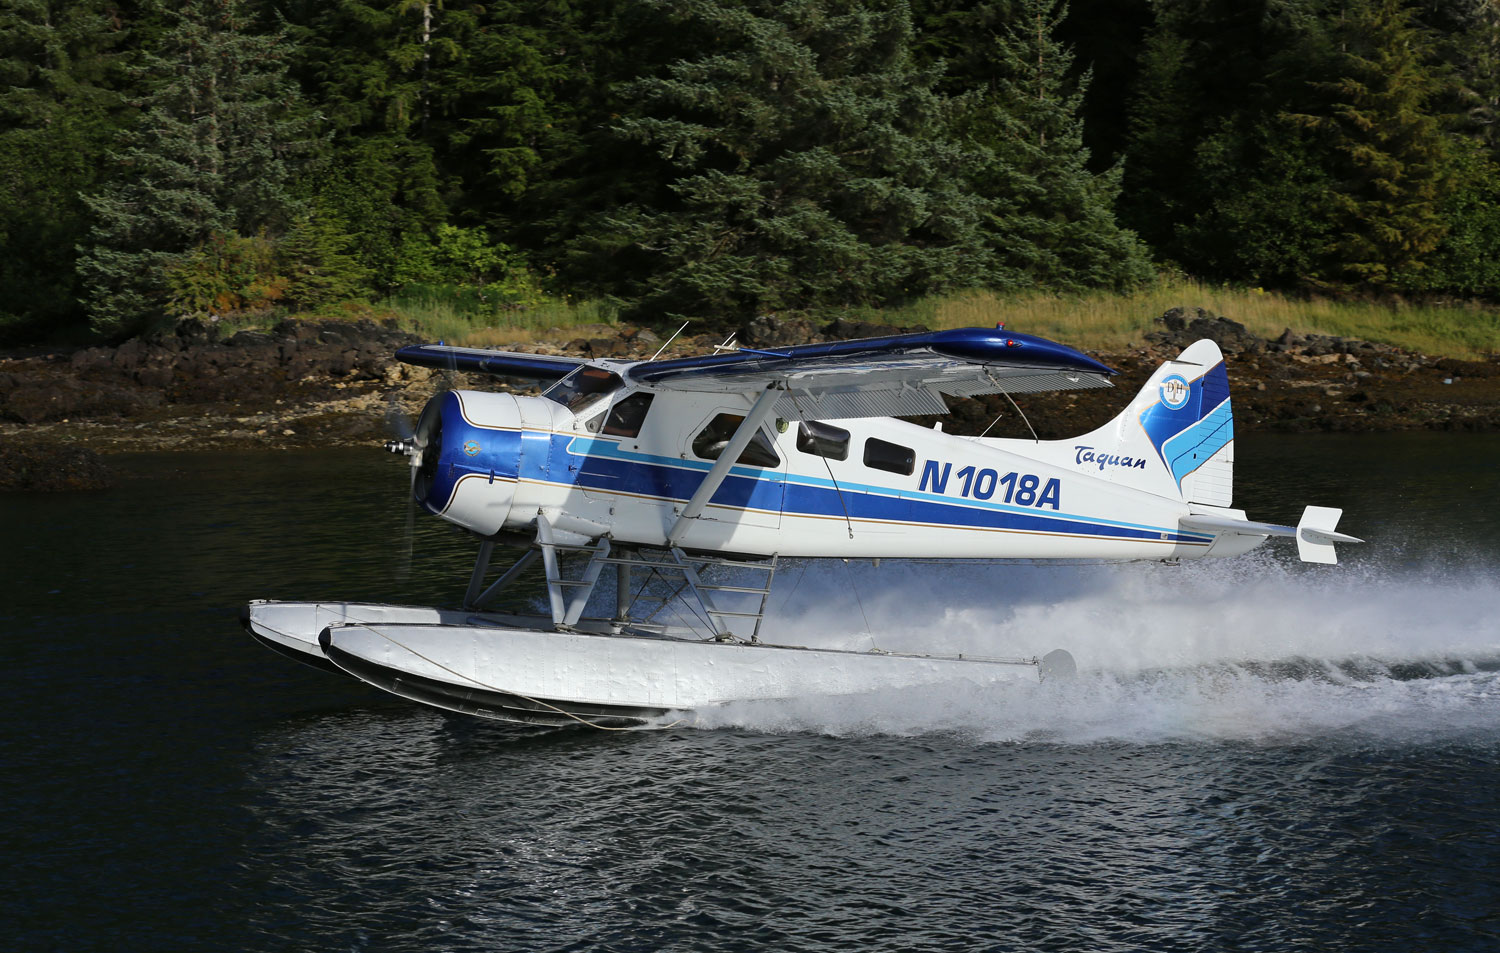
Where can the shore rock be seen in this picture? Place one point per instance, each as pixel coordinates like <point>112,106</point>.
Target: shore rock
<point>1183,326</point>
<point>143,378</point>
<point>304,384</point>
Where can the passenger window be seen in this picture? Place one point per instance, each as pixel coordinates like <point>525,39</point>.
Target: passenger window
<point>715,437</point>
<point>880,455</point>
<point>822,440</point>
<point>626,417</point>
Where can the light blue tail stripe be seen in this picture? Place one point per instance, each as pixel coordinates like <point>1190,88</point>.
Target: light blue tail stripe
<point>1195,445</point>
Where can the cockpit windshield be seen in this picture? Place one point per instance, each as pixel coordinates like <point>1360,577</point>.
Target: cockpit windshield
<point>584,387</point>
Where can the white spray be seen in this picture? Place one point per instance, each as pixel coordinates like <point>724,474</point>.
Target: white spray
<point>1255,649</point>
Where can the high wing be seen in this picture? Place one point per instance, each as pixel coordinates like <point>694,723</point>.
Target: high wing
<point>481,360</point>
<point>883,377</point>
<point>900,374</point>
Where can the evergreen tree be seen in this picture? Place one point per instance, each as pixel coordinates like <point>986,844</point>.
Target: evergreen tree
<point>1467,259</point>
<point>1164,128</point>
<point>1300,146</point>
<point>532,113</point>
<point>507,102</point>
<point>583,169</point>
<point>1107,37</point>
<point>385,188</point>
<point>59,110</point>
<point>1465,36</point>
<point>959,36</point>
<point>1391,163</point>
<point>316,257</point>
<point>1211,72</point>
<point>210,154</point>
<point>1054,222</point>
<point>1467,39</point>
<point>1263,214</point>
<point>389,78</point>
<point>810,166</point>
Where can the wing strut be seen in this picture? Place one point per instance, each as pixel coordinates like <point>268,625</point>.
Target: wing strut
<point>765,404</point>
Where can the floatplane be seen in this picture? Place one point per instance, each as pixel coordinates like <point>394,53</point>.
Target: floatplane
<point>699,475</point>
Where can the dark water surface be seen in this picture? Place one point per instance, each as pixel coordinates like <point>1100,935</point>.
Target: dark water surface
<point>1257,755</point>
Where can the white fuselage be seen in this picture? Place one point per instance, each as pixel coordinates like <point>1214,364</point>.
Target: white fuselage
<point>868,487</point>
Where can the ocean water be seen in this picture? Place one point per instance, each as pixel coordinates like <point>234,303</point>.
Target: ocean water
<point>1255,755</point>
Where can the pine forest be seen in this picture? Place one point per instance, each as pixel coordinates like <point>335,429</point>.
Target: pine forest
<point>714,160</point>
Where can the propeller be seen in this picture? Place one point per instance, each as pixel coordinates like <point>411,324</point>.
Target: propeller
<point>398,423</point>
<point>421,445</point>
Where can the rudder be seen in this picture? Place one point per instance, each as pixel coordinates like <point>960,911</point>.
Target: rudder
<point>1195,439</point>
<point>1176,438</point>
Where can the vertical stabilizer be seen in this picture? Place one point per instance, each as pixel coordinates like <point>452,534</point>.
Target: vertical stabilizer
<point>1175,439</point>
<point>1191,424</point>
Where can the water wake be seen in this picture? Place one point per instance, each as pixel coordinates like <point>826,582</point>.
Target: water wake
<point>1254,649</point>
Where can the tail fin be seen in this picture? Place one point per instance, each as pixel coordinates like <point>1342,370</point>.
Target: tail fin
<point>1176,438</point>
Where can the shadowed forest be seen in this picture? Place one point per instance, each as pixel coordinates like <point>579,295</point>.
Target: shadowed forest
<point>711,160</point>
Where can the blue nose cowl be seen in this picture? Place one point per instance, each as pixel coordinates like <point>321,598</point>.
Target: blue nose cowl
<point>470,446</point>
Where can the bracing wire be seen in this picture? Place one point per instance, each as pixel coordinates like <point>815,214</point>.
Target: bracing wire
<point>837,490</point>
<point>857,600</point>
<point>848,523</point>
<point>669,341</point>
<point>1021,413</point>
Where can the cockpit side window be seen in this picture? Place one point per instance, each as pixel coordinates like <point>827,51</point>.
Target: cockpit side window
<point>584,387</point>
<point>628,415</point>
<point>823,440</point>
<point>882,455</point>
<point>712,440</point>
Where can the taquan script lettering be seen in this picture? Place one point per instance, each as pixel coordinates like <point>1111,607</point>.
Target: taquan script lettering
<point>1102,460</point>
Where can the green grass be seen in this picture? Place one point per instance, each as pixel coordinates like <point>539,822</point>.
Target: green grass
<point>1112,322</point>
<point>463,315</point>
<point>1098,321</point>
<point>456,314</point>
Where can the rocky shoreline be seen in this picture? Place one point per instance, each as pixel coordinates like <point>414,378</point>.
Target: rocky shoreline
<point>62,413</point>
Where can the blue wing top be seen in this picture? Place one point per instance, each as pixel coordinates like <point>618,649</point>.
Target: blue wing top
<point>886,376</point>
<point>484,361</point>
<point>872,377</point>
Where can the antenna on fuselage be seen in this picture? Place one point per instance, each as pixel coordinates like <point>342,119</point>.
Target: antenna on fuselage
<point>669,341</point>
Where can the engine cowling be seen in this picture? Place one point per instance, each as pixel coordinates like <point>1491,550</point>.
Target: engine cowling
<point>471,457</point>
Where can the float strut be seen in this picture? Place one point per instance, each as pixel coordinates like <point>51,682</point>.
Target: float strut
<point>476,579</point>
<point>527,558</point>
<point>622,593</point>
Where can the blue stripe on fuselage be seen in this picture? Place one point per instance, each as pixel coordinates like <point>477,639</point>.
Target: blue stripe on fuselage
<point>605,466</point>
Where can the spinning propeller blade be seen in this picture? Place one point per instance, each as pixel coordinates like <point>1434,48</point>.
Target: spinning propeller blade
<point>418,444</point>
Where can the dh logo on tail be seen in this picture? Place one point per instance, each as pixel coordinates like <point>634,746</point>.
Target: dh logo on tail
<point>1175,392</point>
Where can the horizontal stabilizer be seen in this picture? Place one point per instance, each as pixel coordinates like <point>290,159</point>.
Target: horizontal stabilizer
<point>1316,536</point>
<point>1315,533</point>
<point>1220,525</point>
